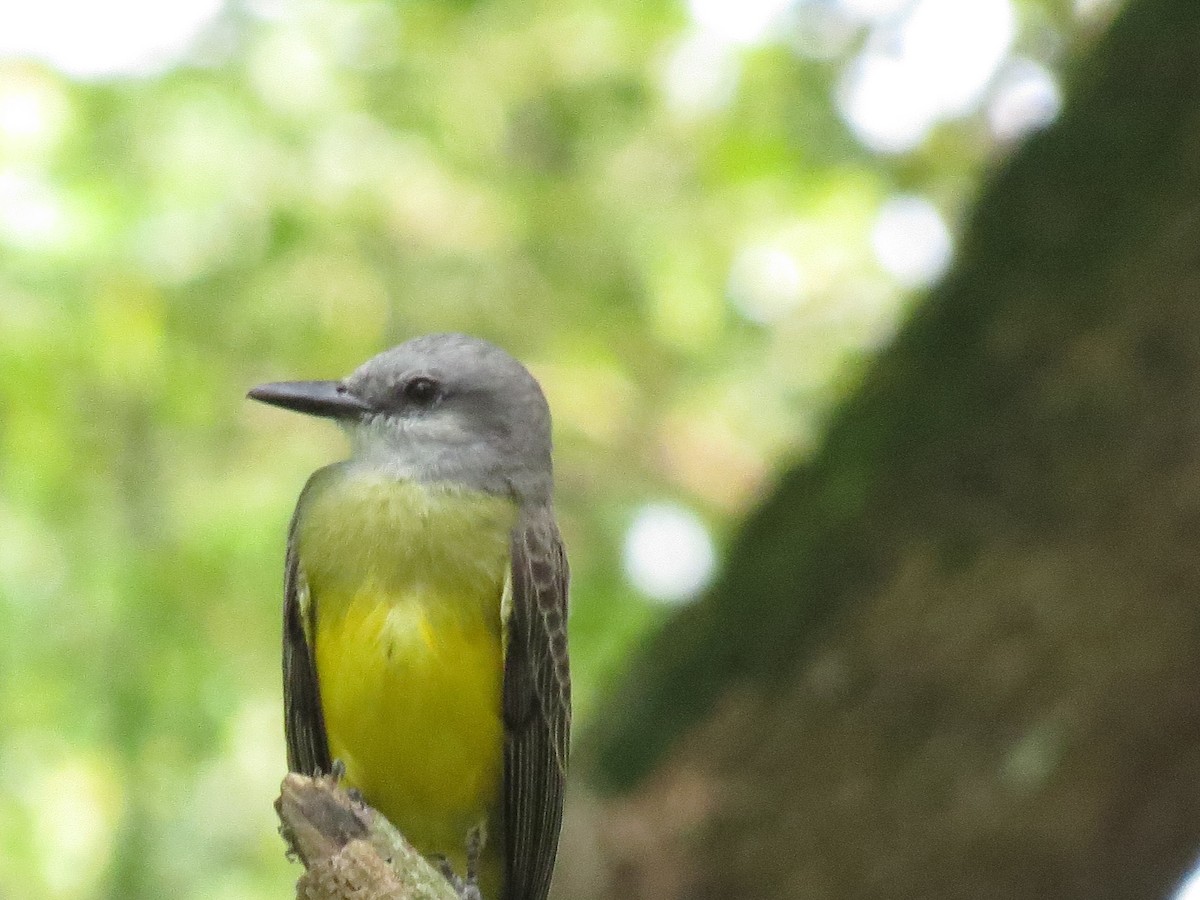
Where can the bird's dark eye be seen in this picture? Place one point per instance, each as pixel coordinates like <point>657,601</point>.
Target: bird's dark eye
<point>421,391</point>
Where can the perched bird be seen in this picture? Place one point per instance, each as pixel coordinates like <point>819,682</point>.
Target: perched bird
<point>424,622</point>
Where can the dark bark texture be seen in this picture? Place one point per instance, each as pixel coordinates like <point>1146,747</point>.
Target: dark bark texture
<point>957,655</point>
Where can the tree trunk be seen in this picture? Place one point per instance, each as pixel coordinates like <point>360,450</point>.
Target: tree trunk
<point>958,654</point>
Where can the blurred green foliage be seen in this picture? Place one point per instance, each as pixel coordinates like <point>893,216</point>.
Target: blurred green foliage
<point>303,185</point>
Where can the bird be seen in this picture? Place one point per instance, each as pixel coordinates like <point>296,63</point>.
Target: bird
<point>425,654</point>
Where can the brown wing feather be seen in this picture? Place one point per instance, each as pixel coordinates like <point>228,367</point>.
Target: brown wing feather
<point>537,706</point>
<point>303,723</point>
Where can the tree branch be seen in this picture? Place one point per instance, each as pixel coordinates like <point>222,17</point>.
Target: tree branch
<point>350,851</point>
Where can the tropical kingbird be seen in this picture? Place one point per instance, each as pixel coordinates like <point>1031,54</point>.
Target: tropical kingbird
<point>425,604</point>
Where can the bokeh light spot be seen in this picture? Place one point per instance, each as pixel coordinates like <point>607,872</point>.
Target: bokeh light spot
<point>31,211</point>
<point>34,114</point>
<point>911,240</point>
<point>83,39</point>
<point>78,804</point>
<point>290,74</point>
<point>1190,888</point>
<point>766,283</point>
<point>669,554</point>
<point>933,64</point>
<point>738,21</point>
<point>1025,99</point>
<point>699,76</point>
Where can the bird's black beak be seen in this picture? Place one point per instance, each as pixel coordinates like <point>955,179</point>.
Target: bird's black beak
<point>329,399</point>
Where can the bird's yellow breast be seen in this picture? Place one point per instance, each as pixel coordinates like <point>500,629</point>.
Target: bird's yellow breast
<point>407,581</point>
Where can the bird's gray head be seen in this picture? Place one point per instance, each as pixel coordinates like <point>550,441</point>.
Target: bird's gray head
<point>443,407</point>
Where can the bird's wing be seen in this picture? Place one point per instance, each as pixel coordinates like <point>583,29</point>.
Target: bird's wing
<point>303,724</point>
<point>537,705</point>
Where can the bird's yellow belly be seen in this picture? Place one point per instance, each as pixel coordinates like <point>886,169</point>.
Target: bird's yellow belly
<point>406,581</point>
<point>412,707</point>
